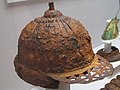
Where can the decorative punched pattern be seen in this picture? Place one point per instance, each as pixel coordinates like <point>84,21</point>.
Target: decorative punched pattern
<point>96,71</point>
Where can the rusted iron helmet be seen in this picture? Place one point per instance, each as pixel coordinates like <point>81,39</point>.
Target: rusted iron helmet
<point>55,48</point>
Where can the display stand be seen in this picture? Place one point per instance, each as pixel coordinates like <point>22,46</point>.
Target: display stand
<point>108,43</point>
<point>62,86</point>
<point>107,47</point>
<point>109,52</point>
<point>35,88</point>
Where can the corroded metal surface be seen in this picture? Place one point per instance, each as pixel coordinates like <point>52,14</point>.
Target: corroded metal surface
<point>51,45</point>
<point>114,84</point>
<point>55,43</point>
<point>35,77</point>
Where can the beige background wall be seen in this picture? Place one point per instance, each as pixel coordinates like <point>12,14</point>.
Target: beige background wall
<point>13,17</point>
